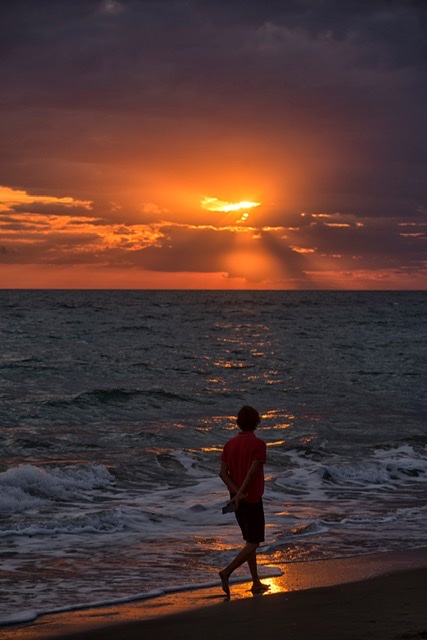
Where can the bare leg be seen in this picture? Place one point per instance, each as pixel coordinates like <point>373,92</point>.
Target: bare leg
<point>224,581</point>
<point>257,585</point>
<point>243,556</point>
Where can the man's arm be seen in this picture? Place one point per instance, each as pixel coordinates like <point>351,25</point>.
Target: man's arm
<point>252,471</point>
<point>224,474</point>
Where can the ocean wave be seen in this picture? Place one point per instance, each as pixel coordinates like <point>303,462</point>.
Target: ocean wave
<point>16,500</point>
<point>18,363</point>
<point>400,514</point>
<point>27,486</point>
<point>302,471</point>
<point>109,521</point>
<point>376,472</point>
<point>115,396</point>
<point>307,529</point>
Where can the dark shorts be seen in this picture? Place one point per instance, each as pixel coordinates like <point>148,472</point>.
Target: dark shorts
<point>250,516</point>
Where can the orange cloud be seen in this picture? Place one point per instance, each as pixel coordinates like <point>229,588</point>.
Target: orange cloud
<point>13,197</point>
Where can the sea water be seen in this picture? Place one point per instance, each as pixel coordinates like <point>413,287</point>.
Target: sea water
<point>115,406</point>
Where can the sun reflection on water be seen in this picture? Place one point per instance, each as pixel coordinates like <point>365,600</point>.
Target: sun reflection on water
<point>275,585</point>
<point>277,443</point>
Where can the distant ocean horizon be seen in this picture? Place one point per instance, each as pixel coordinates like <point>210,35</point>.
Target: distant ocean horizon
<point>115,405</point>
<point>230,289</point>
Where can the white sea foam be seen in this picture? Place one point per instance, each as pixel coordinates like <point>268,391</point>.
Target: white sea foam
<point>382,472</point>
<point>56,482</point>
<point>110,521</point>
<point>16,500</point>
<point>22,617</point>
<point>388,468</point>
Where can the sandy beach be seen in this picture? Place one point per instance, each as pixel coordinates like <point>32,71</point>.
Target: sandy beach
<point>380,597</point>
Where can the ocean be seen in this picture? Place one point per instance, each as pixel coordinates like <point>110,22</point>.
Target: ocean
<point>115,406</point>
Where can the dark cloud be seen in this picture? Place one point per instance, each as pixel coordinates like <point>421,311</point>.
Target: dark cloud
<point>184,249</point>
<point>377,244</point>
<point>207,250</point>
<point>75,54</point>
<point>52,249</point>
<point>53,209</point>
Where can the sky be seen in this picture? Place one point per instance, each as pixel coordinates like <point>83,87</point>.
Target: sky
<point>213,144</point>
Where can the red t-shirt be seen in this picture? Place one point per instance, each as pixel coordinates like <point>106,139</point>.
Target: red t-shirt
<point>238,454</point>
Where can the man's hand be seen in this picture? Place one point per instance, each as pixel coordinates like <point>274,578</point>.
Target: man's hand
<point>238,497</point>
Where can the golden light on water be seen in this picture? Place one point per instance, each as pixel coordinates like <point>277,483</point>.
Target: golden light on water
<point>275,586</point>
<point>277,443</point>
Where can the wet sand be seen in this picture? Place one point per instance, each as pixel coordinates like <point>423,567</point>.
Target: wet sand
<point>379,597</point>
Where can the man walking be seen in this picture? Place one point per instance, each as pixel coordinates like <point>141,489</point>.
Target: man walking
<point>242,471</point>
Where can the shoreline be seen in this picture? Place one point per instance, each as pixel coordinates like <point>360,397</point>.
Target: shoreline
<point>299,581</point>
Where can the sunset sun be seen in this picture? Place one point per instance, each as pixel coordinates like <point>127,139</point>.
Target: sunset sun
<point>214,204</point>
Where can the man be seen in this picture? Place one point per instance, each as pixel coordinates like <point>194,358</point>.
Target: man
<point>242,470</point>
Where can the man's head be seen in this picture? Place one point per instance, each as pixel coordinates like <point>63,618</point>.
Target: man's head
<point>248,418</point>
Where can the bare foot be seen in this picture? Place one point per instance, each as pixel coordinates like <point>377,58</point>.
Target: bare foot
<point>259,587</point>
<point>224,583</point>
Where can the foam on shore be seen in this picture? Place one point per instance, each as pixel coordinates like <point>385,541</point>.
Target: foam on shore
<point>22,617</point>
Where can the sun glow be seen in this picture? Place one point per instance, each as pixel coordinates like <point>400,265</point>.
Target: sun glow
<point>214,204</point>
